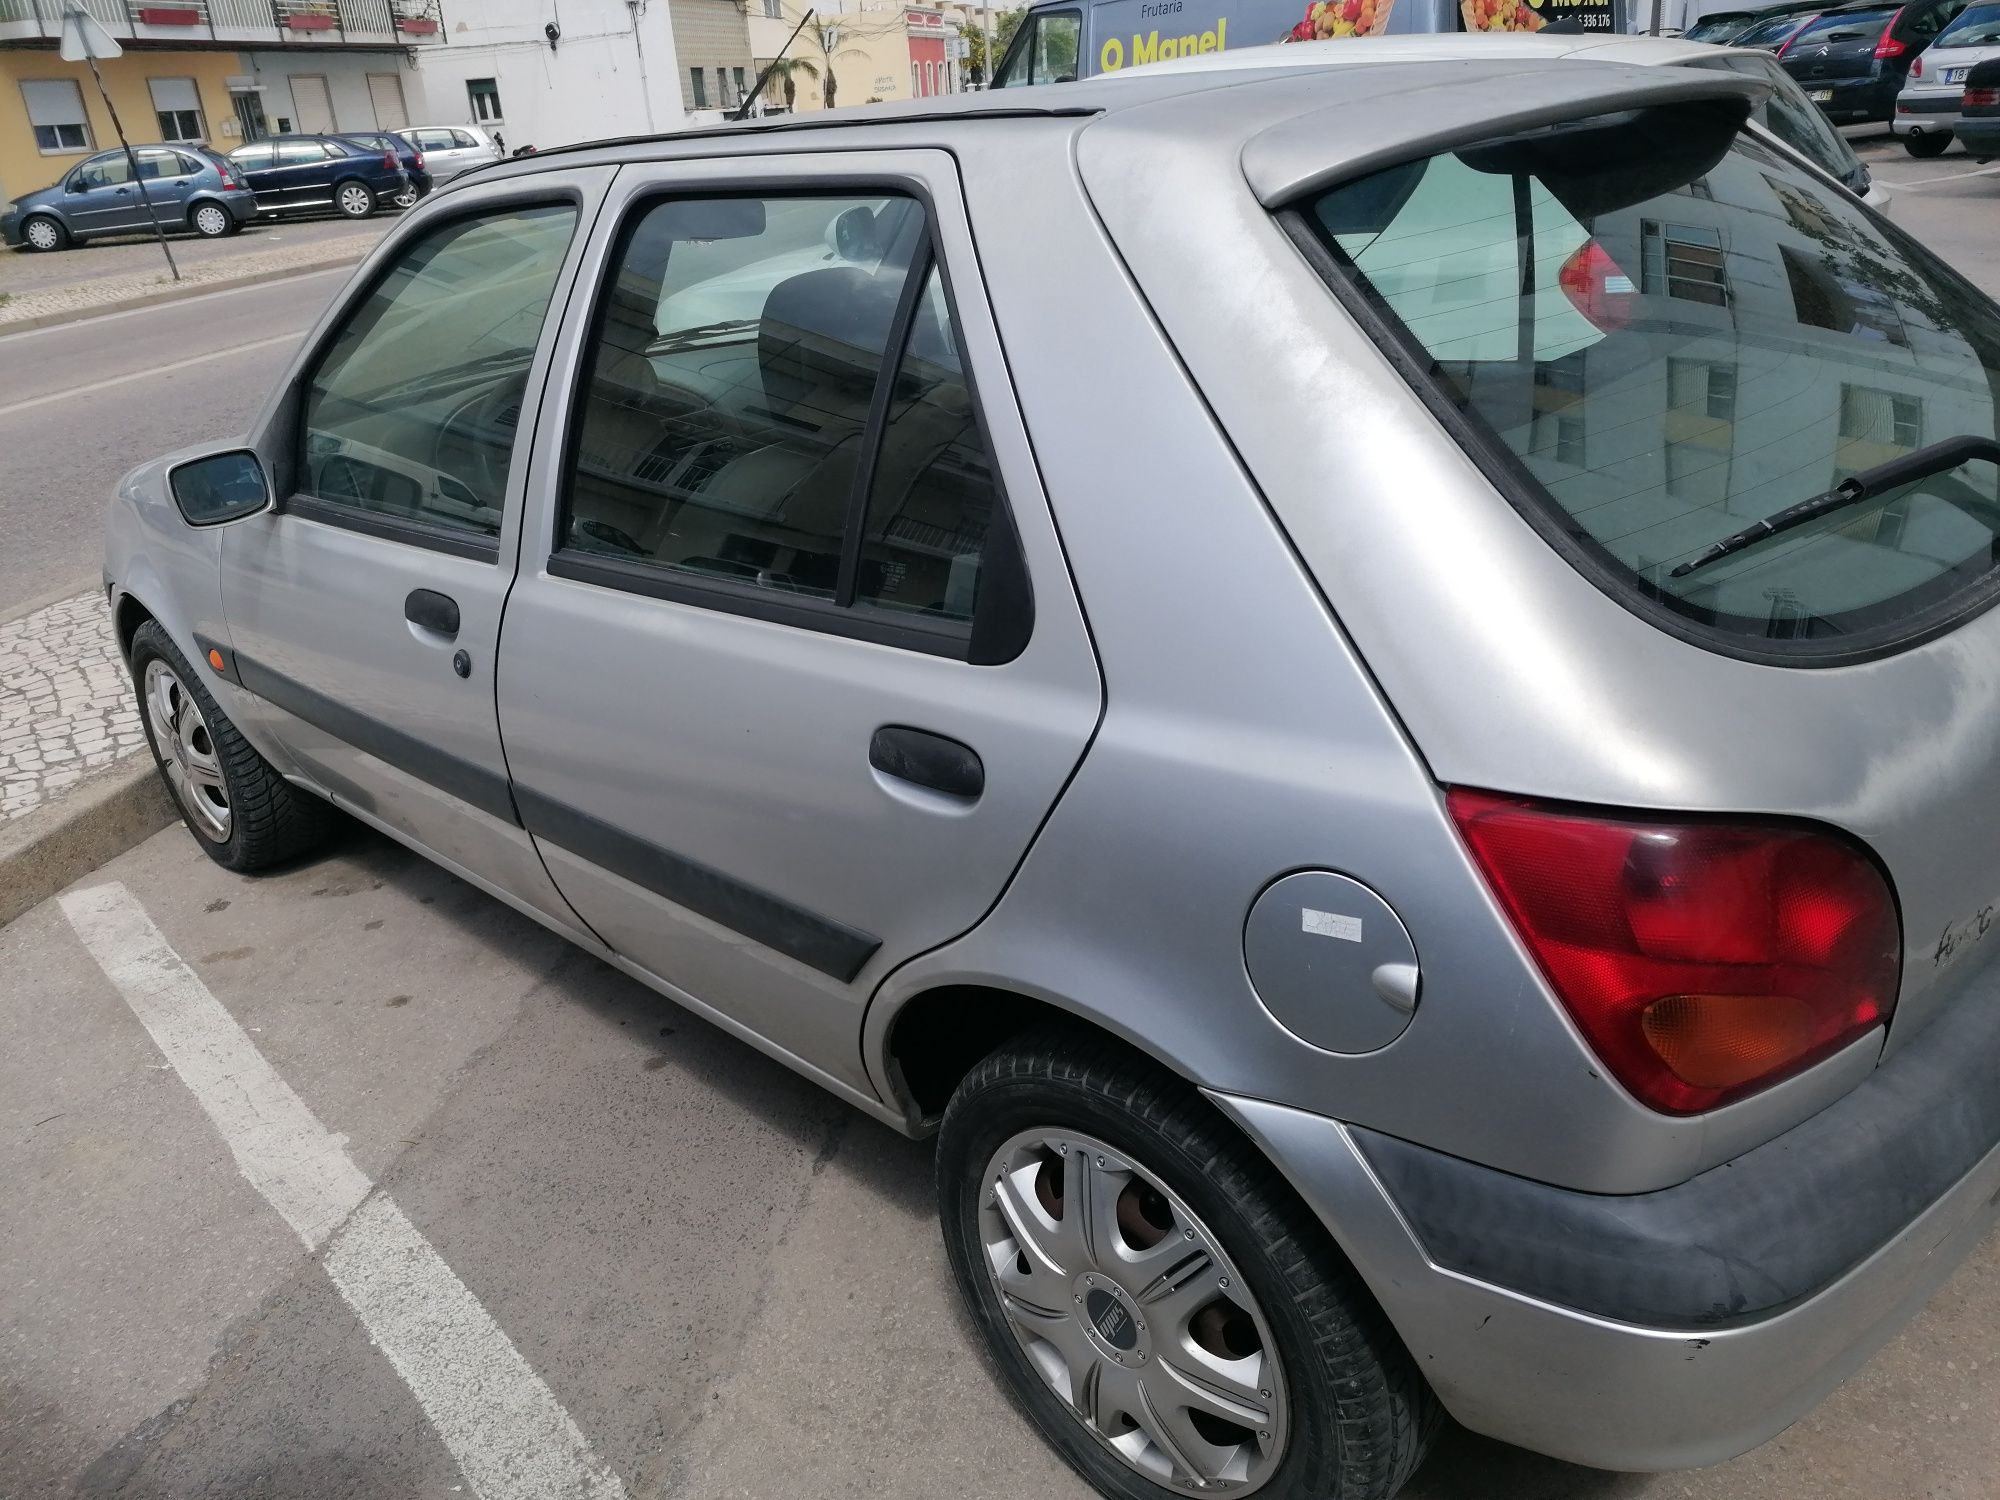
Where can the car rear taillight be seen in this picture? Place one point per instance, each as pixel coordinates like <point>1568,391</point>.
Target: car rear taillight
<point>1595,286</point>
<point>1916,67</point>
<point>389,160</point>
<point>419,160</point>
<point>1702,959</point>
<point>1889,46</point>
<point>1980,98</point>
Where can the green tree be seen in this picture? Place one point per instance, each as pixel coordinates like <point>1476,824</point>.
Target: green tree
<point>1004,26</point>
<point>785,74</point>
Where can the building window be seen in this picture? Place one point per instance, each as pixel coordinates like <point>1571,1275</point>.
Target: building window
<point>774,9</point>
<point>55,110</point>
<point>700,81</point>
<point>1722,393</point>
<point>1881,417</point>
<point>722,88</point>
<point>1683,260</point>
<point>484,96</point>
<point>742,88</point>
<point>177,107</point>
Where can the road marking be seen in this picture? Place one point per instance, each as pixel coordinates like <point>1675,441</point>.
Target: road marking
<point>1946,177</point>
<point>167,369</point>
<point>505,1428</point>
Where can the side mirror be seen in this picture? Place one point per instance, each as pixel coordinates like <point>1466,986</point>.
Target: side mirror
<point>221,487</point>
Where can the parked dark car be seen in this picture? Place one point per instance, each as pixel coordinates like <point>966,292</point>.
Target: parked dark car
<point>1728,27</point>
<point>1979,111</point>
<point>1853,60</point>
<point>190,187</point>
<point>316,173</point>
<point>422,179</point>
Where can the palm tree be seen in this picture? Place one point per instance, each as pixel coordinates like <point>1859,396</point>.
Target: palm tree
<point>782,72</point>
<point>826,38</point>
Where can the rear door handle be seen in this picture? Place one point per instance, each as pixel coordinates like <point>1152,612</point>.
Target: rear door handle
<point>432,611</point>
<point>927,760</point>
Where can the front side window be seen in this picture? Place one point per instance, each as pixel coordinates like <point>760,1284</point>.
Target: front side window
<point>55,112</point>
<point>1729,355</point>
<point>1046,54</point>
<point>772,404</point>
<point>254,158</point>
<point>410,415</point>
<point>110,170</point>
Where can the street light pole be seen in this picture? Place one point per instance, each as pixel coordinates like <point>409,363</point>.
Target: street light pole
<point>83,40</point>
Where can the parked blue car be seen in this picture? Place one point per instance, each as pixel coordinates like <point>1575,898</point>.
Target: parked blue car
<point>406,151</point>
<point>317,173</point>
<point>190,187</point>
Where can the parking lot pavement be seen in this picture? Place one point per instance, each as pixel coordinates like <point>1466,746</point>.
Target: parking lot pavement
<point>1950,202</point>
<point>729,1283</point>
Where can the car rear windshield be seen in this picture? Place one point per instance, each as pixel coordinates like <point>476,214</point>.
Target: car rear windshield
<point>1976,26</point>
<point>1765,33</point>
<point>1656,332</point>
<point>1855,27</point>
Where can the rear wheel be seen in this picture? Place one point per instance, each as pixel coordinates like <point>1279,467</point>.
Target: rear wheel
<point>1160,1303</point>
<point>211,220</point>
<point>1927,143</point>
<point>239,809</point>
<point>354,199</point>
<point>44,233</point>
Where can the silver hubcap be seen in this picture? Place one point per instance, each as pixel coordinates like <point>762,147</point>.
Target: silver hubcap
<point>405,198</point>
<point>356,200</point>
<point>42,234</point>
<point>186,751</point>
<point>1125,1303</point>
<point>210,220</point>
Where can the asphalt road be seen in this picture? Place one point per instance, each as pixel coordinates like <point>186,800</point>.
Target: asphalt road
<point>82,403</point>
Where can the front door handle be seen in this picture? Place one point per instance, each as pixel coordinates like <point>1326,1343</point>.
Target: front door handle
<point>430,610</point>
<point>927,760</point>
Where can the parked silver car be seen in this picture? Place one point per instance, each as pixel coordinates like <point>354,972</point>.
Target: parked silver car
<point>452,149</point>
<point>1370,688</point>
<point>1927,108</point>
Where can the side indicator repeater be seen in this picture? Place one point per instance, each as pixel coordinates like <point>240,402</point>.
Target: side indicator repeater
<point>215,660</point>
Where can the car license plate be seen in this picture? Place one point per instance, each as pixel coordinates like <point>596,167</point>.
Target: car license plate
<point>1821,96</point>
<point>1954,75</point>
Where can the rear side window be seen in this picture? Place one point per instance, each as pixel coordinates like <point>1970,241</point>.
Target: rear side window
<point>1976,26</point>
<point>775,409</point>
<point>1654,347</point>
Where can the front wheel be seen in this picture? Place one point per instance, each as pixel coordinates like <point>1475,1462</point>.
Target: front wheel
<point>240,810</point>
<point>1927,144</point>
<point>44,233</point>
<point>354,200</point>
<point>1159,1302</point>
<point>211,220</point>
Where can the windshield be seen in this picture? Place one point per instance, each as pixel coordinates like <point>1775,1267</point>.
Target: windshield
<point>1863,26</point>
<point>1715,29</point>
<point>1662,346</point>
<point>1977,26</point>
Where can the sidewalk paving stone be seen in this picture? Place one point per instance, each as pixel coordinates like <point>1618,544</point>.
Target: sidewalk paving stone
<point>66,705</point>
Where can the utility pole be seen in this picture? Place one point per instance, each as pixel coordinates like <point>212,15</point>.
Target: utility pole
<point>638,9</point>
<point>84,40</point>
<point>986,16</point>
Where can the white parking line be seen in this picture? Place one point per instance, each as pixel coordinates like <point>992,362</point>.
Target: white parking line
<point>1923,182</point>
<point>509,1434</point>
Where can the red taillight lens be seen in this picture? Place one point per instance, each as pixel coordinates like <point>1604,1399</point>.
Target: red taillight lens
<point>1702,961</point>
<point>419,159</point>
<point>1889,47</point>
<point>1980,99</point>
<point>1916,67</point>
<point>389,160</point>
<point>1595,286</point>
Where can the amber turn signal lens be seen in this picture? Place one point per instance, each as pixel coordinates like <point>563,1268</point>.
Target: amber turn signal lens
<point>1721,1041</point>
<point>215,658</point>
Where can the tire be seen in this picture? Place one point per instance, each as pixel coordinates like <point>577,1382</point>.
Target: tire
<point>211,221</point>
<point>407,198</point>
<point>45,233</point>
<point>1349,1416</point>
<point>353,198</point>
<point>242,812</point>
<point>1928,144</point>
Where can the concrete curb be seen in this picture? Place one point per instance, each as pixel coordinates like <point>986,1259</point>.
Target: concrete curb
<point>178,293</point>
<point>96,820</point>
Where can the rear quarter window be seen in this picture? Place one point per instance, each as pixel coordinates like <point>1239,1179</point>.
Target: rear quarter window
<point>1652,353</point>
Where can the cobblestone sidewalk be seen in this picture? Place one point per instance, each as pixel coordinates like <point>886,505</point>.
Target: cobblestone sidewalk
<point>66,703</point>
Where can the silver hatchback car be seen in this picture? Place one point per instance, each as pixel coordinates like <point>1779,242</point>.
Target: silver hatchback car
<point>1371,690</point>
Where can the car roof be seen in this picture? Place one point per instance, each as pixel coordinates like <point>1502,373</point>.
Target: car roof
<point>1362,117</point>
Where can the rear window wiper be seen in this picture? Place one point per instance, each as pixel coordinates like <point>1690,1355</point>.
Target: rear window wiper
<point>1935,458</point>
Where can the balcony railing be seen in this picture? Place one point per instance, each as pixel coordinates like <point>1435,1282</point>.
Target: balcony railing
<point>373,21</point>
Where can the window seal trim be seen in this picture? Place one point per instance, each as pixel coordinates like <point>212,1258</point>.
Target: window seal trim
<point>654,580</point>
<point>854,522</point>
<point>1003,620</point>
<point>392,528</point>
<point>1504,470</point>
